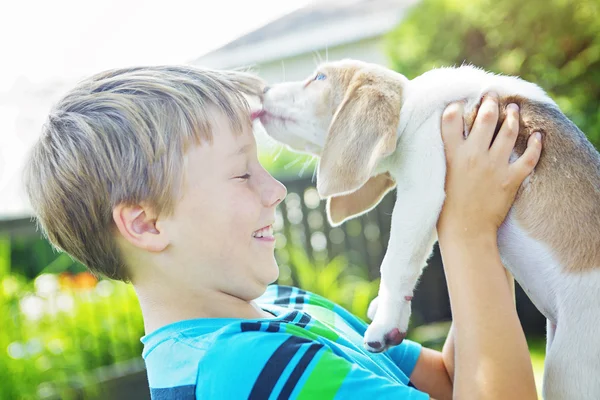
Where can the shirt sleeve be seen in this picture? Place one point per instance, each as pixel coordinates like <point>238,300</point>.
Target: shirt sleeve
<point>280,366</point>
<point>405,355</point>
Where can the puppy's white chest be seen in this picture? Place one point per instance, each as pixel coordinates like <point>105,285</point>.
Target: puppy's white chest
<point>532,265</point>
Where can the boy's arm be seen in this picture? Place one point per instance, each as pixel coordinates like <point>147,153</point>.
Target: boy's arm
<point>435,366</point>
<point>491,356</point>
<point>432,375</point>
<point>434,371</point>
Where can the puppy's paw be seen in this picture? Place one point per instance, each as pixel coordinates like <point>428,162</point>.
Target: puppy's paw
<point>382,341</point>
<point>389,324</point>
<point>372,310</point>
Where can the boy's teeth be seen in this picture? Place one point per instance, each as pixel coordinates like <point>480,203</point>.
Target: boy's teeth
<point>268,231</point>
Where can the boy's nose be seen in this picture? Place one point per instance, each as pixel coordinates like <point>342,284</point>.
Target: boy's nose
<point>276,194</point>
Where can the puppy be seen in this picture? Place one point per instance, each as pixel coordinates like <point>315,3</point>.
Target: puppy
<point>374,130</point>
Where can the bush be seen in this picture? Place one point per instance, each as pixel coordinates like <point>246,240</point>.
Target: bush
<point>554,43</point>
<point>58,328</point>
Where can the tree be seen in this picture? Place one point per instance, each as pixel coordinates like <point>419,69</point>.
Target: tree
<point>553,43</point>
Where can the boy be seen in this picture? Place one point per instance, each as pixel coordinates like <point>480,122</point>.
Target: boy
<point>150,175</point>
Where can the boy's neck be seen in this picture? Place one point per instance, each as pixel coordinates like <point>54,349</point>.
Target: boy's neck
<point>162,307</point>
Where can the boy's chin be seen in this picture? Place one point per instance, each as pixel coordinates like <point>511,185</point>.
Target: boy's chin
<point>274,275</point>
<point>261,281</point>
<point>270,273</point>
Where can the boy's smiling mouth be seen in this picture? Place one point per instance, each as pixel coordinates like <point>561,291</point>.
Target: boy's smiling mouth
<point>264,234</point>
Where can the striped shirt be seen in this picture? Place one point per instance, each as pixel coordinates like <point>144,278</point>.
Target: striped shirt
<point>311,349</point>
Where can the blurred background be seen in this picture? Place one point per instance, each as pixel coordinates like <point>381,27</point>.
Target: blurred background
<point>64,334</point>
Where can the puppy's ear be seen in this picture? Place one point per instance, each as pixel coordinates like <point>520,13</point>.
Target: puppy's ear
<point>344,207</point>
<point>363,131</point>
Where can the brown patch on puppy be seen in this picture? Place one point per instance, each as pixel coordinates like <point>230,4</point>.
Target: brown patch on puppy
<point>342,208</point>
<point>560,205</point>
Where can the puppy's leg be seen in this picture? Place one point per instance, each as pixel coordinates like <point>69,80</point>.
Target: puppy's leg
<point>572,366</point>
<point>411,240</point>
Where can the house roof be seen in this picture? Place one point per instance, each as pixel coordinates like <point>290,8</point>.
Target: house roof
<point>318,26</point>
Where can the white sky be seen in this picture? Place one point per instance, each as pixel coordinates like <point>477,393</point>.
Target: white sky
<point>46,41</point>
<point>59,38</point>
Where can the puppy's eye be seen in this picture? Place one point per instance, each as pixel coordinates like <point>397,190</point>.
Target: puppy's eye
<point>320,77</point>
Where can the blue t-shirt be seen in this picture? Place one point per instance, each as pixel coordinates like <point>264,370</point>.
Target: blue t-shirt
<point>312,349</point>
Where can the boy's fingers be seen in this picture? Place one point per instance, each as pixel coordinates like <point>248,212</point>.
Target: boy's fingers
<point>527,162</point>
<point>505,140</point>
<point>485,122</point>
<point>453,127</point>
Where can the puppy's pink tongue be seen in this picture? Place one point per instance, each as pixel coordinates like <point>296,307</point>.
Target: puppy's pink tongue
<point>257,114</point>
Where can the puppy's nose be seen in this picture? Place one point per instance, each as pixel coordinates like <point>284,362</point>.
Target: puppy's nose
<point>266,89</point>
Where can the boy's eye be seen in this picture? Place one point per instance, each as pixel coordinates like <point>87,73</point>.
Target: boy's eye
<point>244,177</point>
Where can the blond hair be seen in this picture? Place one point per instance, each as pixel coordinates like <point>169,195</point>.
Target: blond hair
<point>120,137</point>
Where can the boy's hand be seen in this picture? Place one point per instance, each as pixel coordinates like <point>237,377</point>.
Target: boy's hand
<point>481,184</point>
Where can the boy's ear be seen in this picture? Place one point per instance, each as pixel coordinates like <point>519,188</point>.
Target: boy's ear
<point>137,225</point>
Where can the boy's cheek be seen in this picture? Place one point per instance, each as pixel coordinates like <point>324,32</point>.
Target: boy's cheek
<point>246,205</point>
